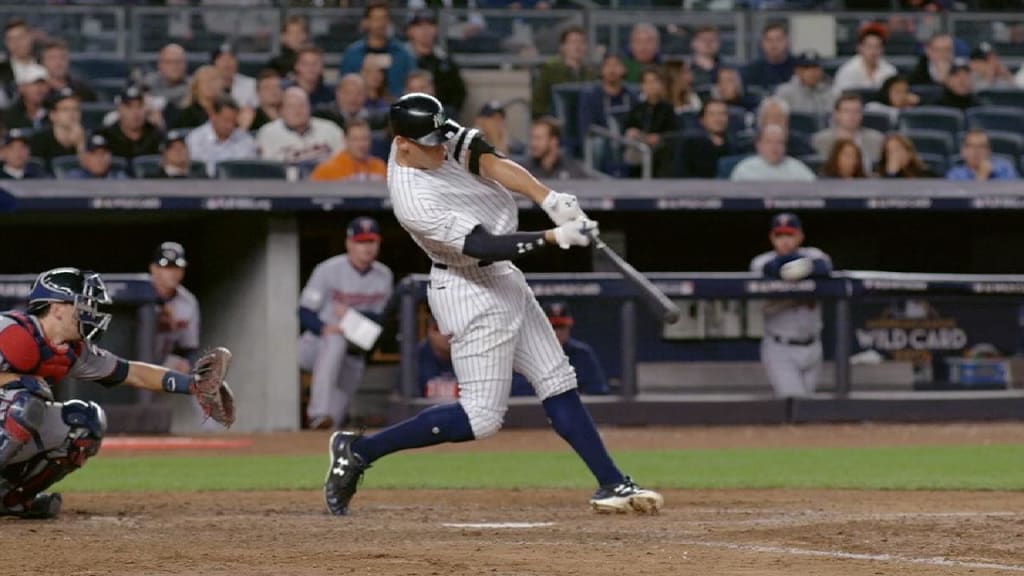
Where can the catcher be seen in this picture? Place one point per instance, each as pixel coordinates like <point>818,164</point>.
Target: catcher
<point>42,441</point>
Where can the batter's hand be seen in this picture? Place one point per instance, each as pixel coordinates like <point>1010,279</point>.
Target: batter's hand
<point>562,208</point>
<point>579,232</point>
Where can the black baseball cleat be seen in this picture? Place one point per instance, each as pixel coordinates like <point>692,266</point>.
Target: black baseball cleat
<point>624,497</point>
<point>42,507</point>
<point>343,474</point>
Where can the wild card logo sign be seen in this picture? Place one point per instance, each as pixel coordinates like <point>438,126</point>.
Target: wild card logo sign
<point>912,330</point>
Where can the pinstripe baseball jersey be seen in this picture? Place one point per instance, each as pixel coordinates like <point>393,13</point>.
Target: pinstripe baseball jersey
<point>335,283</point>
<point>439,208</point>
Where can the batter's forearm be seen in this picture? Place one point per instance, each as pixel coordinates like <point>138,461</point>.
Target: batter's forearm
<point>513,176</point>
<point>483,245</point>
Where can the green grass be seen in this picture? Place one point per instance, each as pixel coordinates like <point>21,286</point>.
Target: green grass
<point>997,467</point>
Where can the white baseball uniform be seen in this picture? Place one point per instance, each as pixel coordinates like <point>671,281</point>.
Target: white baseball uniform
<point>791,347</point>
<point>495,322</point>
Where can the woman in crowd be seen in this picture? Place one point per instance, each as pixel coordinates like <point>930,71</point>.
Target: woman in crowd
<point>845,161</point>
<point>207,84</point>
<point>684,97</point>
<point>900,160</point>
<point>648,121</point>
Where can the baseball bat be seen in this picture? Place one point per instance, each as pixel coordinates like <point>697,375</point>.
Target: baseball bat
<point>655,299</point>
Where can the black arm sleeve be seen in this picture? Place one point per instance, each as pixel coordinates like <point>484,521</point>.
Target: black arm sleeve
<point>483,245</point>
<point>117,376</point>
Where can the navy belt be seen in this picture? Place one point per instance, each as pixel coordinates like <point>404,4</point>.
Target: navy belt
<point>808,342</point>
<point>481,264</point>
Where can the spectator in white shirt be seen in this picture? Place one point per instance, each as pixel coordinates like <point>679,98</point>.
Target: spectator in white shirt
<point>771,162</point>
<point>242,87</point>
<point>220,138</point>
<point>847,122</point>
<point>869,68</point>
<point>298,137</point>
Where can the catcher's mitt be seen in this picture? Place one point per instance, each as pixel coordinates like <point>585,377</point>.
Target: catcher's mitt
<point>211,391</point>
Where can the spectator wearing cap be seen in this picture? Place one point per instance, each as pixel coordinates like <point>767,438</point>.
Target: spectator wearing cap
<point>847,122</point>
<point>771,162</point>
<point>132,135</point>
<point>590,378</point>
<point>570,66</point>
<point>987,69</point>
<point>774,110</point>
<point>220,138</point>
<point>294,35</point>
<point>65,135</point>
<point>606,105</point>
<point>648,121</point>
<point>977,163</point>
<point>934,65</point>
<point>297,137</point>
<point>18,44</point>
<point>28,110</point>
<point>241,87</point>
<point>702,149</point>
<point>95,162</point>
<point>547,160</point>
<point>174,159</point>
<point>491,122</point>
<point>809,90</point>
<point>729,89</point>
<point>419,81</point>
<point>206,86</point>
<point>15,155</point>
<point>450,88</point>
<point>776,64</point>
<point>868,68</point>
<point>169,83</point>
<point>53,55</point>
<point>644,50</point>
<point>705,60</point>
<point>354,163</point>
<point>958,89</point>
<point>308,74</point>
<point>176,309</point>
<point>377,46</point>
<point>269,92</point>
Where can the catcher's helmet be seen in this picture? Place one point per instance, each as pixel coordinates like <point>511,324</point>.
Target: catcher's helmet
<point>422,119</point>
<point>85,290</point>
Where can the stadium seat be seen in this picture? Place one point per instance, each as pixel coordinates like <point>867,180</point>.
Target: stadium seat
<point>737,119</point>
<point>93,68</point>
<point>933,118</point>
<point>1003,118</point>
<point>927,92</point>
<point>813,161</point>
<point>1003,97</point>
<point>689,120</point>
<point>866,94</point>
<point>877,120</point>
<point>63,164</point>
<point>932,142</point>
<point>94,112</point>
<point>726,164</point>
<point>565,101</point>
<point>251,169</point>
<point>39,163</point>
<point>147,166</point>
<point>804,123</point>
<point>938,164</point>
<point>1009,144</point>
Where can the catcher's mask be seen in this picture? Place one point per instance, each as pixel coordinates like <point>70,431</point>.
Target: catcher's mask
<point>84,289</point>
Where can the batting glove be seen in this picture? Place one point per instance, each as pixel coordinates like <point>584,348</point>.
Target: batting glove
<point>562,208</point>
<point>579,232</point>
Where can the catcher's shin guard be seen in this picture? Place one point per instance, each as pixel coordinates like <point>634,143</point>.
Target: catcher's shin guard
<point>25,480</point>
<point>21,422</point>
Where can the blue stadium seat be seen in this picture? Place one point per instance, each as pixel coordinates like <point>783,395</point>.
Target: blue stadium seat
<point>63,164</point>
<point>804,123</point>
<point>813,161</point>
<point>689,120</point>
<point>93,114</point>
<point>92,68</point>
<point>941,118</point>
<point>927,92</point>
<point>1005,143</point>
<point>877,120</point>
<point>39,163</point>
<point>148,165</point>
<point>737,119</point>
<point>1003,118</point>
<point>726,164</point>
<point>565,102</point>
<point>932,142</point>
<point>251,170</point>
<point>939,164</point>
<point>1003,97</point>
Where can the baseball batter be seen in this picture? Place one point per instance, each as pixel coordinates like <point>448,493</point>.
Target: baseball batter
<point>450,190</point>
<point>42,441</point>
<point>351,280</point>
<point>791,346</point>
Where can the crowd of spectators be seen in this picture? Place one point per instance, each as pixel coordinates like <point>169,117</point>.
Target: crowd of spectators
<point>779,116</point>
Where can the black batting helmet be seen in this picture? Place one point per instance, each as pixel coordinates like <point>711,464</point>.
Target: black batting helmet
<point>422,119</point>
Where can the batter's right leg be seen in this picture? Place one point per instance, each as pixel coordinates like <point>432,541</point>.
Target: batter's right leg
<point>782,365</point>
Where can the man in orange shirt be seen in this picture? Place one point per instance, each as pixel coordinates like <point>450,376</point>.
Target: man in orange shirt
<point>355,162</point>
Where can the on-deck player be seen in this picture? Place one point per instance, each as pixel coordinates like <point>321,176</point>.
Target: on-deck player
<point>450,191</point>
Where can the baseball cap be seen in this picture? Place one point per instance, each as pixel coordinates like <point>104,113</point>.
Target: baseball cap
<point>808,59</point>
<point>982,51</point>
<point>786,223</point>
<point>170,254</point>
<point>421,17</point>
<point>491,108</point>
<point>55,97</point>
<point>558,314</point>
<point>130,93</point>
<point>173,136</point>
<point>17,134</point>
<point>97,141</point>
<point>363,229</point>
<point>960,65</point>
<point>33,73</point>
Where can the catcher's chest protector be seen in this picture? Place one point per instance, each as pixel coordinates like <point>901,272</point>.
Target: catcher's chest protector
<point>24,350</point>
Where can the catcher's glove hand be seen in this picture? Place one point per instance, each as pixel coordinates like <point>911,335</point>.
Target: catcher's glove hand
<point>211,390</point>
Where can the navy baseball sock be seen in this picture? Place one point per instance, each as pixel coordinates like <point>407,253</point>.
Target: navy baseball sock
<point>435,425</point>
<point>573,423</point>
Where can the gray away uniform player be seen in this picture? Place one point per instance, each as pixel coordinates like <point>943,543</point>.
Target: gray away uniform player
<point>451,191</point>
<point>351,280</point>
<point>791,346</point>
<point>42,441</point>
<point>177,335</point>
